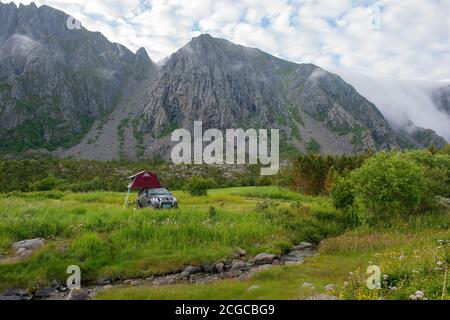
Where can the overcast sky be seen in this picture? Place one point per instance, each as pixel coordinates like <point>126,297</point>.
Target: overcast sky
<point>403,38</point>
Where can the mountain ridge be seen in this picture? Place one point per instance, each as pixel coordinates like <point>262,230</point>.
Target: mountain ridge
<point>73,93</point>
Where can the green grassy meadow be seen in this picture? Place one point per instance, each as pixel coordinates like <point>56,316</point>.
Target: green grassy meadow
<point>93,231</point>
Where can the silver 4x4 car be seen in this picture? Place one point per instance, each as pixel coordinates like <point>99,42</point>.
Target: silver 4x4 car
<point>158,198</point>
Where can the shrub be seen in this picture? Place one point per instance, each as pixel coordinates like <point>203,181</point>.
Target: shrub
<point>388,184</point>
<point>198,186</point>
<point>45,184</point>
<point>342,194</point>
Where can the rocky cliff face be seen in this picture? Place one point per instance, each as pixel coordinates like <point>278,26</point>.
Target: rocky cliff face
<point>229,86</point>
<point>54,81</point>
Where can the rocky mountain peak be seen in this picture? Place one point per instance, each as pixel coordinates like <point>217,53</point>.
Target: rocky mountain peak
<point>55,82</point>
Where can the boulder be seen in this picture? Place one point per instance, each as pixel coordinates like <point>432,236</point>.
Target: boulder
<point>238,265</point>
<point>31,244</point>
<point>77,294</point>
<point>264,258</point>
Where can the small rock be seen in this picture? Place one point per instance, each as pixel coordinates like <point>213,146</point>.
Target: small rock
<point>264,258</point>
<point>234,273</point>
<point>184,275</point>
<point>219,267</point>
<point>45,292</point>
<point>302,246</point>
<point>208,268</point>
<point>330,287</point>
<point>245,276</point>
<point>253,288</point>
<point>107,287</point>
<point>192,269</point>
<point>242,252</point>
<point>276,262</point>
<point>307,285</point>
<point>78,294</point>
<point>285,258</point>
<point>238,265</point>
<point>127,281</point>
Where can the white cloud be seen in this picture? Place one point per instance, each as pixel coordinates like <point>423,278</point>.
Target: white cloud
<point>402,101</point>
<point>414,40</point>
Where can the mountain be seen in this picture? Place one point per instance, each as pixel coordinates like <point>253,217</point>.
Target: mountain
<point>227,85</point>
<point>56,82</point>
<point>441,98</point>
<point>70,92</point>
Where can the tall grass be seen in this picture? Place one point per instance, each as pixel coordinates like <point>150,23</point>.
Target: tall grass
<point>92,230</point>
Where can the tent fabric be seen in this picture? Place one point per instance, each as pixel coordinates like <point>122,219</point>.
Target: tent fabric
<point>144,179</point>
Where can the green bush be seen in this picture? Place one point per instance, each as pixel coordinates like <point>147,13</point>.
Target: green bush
<point>389,184</point>
<point>198,186</point>
<point>342,194</point>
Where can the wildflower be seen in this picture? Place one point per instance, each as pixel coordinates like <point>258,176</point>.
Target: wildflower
<point>420,294</point>
<point>439,263</point>
<point>345,284</point>
<point>393,288</point>
<point>385,277</point>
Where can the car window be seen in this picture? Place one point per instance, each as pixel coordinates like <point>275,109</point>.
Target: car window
<point>158,192</point>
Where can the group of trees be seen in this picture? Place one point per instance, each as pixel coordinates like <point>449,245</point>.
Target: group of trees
<point>314,174</point>
<point>85,176</point>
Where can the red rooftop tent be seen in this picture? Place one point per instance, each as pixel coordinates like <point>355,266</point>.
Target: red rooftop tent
<point>142,180</point>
